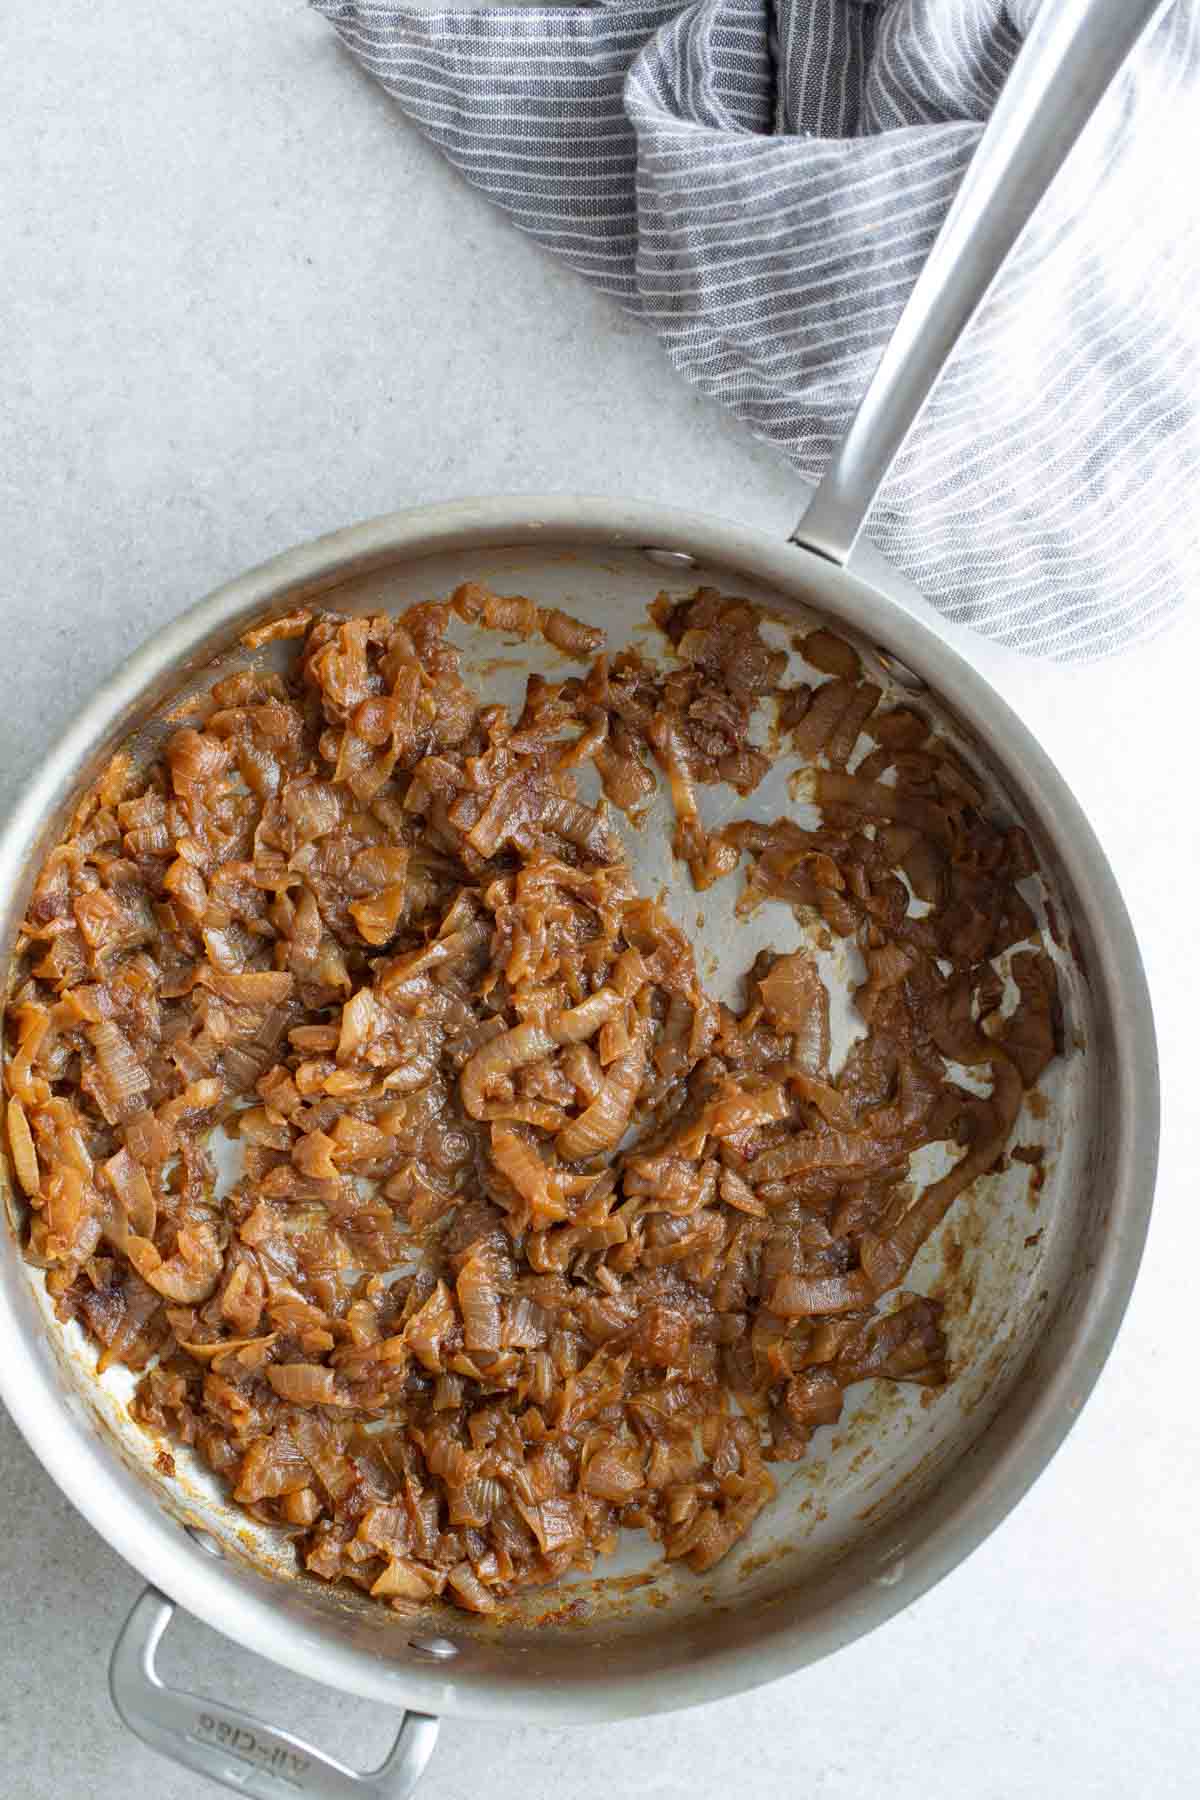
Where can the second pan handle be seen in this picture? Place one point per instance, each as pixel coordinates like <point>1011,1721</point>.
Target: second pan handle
<point>231,1747</point>
<point>1071,55</point>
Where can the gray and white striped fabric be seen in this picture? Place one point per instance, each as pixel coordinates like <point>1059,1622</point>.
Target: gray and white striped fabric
<point>759,184</point>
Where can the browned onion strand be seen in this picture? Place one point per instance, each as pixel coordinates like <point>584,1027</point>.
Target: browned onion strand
<point>443,1327</point>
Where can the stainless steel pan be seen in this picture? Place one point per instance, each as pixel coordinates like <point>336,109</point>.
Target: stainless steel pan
<point>1035,1284</point>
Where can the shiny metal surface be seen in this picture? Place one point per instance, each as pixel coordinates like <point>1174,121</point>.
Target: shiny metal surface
<point>1069,57</point>
<point>235,1749</point>
<point>905,1494</point>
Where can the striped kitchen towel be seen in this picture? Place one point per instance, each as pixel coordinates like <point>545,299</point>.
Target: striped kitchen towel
<point>759,184</point>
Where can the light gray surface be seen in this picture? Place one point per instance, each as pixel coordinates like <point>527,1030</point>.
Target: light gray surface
<point>208,244</point>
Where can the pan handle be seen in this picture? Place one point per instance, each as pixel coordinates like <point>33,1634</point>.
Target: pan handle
<point>232,1747</point>
<point>1071,54</point>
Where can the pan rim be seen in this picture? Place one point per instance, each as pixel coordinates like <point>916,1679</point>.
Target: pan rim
<point>127,1516</point>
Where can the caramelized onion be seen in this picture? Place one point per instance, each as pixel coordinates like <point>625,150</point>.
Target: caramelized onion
<point>442,1326</point>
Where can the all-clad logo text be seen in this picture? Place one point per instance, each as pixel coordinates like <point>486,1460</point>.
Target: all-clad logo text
<point>286,1765</point>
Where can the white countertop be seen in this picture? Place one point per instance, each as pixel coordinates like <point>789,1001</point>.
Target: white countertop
<point>242,303</point>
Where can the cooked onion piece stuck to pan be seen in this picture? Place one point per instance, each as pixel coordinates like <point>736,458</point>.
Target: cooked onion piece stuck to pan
<point>531,1239</point>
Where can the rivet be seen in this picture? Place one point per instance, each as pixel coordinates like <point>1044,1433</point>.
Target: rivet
<point>669,559</point>
<point>205,1540</point>
<point>440,1649</point>
<point>900,672</point>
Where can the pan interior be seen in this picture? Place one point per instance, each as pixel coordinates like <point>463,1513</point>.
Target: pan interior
<point>1006,1261</point>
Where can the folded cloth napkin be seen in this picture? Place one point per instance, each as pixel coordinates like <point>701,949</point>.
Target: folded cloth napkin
<point>759,183</point>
